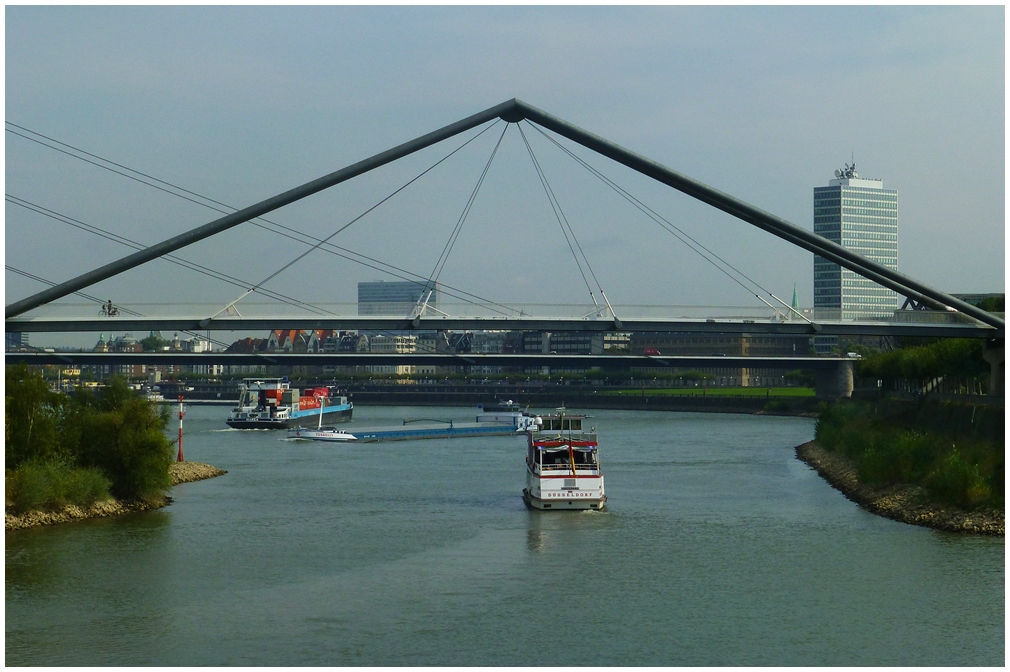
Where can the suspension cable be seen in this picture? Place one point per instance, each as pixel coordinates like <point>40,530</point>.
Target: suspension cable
<point>568,224</point>
<point>436,272</point>
<point>100,301</point>
<point>359,217</point>
<point>560,216</point>
<point>677,232</point>
<point>293,234</point>
<point>122,240</point>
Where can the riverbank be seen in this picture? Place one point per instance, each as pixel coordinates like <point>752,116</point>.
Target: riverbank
<point>903,503</point>
<point>180,472</point>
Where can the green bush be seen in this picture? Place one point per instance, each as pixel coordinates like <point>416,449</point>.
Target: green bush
<point>894,457</point>
<point>49,486</point>
<point>127,441</point>
<point>892,446</point>
<point>957,481</point>
<point>62,450</point>
<point>32,416</point>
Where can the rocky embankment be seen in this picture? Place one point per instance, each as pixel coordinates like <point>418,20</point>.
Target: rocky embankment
<point>187,472</point>
<point>904,503</point>
<point>180,472</point>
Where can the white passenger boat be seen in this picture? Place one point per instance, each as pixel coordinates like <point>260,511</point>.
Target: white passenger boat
<point>563,465</point>
<point>321,434</point>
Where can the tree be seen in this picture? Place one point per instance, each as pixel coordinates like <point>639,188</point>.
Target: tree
<point>67,450</point>
<point>153,343</point>
<point>123,434</point>
<point>992,304</point>
<point>33,418</point>
<point>948,357</point>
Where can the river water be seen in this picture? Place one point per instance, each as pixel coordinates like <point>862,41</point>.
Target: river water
<point>717,547</point>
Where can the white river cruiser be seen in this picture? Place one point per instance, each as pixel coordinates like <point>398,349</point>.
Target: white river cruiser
<point>321,434</point>
<point>563,465</point>
<point>271,403</point>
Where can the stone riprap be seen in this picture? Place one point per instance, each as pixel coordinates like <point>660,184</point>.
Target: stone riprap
<point>904,503</point>
<point>180,472</point>
<point>187,472</point>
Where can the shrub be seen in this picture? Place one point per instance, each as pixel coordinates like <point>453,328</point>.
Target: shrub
<point>957,481</point>
<point>893,448</point>
<point>896,456</point>
<point>127,441</point>
<point>32,415</point>
<point>49,486</point>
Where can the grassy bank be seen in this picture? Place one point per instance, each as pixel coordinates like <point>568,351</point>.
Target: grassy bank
<point>955,454</point>
<point>179,472</point>
<point>762,392</point>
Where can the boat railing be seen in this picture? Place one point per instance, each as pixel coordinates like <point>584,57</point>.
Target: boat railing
<point>568,467</point>
<point>588,436</point>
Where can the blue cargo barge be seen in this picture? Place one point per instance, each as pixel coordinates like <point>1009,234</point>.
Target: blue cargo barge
<point>433,430</point>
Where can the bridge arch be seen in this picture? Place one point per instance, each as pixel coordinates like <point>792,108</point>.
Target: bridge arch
<point>513,111</point>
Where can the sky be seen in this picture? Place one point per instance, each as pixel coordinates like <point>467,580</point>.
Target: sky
<point>238,104</point>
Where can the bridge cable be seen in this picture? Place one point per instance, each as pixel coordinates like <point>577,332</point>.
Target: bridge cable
<point>448,289</point>
<point>355,220</point>
<point>674,230</point>
<point>102,302</point>
<point>436,272</point>
<point>560,216</point>
<point>122,240</point>
<point>134,313</point>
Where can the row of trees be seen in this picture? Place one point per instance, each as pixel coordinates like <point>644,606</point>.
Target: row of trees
<point>79,449</point>
<point>948,357</point>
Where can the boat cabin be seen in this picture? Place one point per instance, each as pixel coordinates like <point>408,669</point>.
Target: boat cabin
<point>551,458</point>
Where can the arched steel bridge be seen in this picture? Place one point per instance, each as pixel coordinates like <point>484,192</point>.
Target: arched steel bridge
<point>965,320</point>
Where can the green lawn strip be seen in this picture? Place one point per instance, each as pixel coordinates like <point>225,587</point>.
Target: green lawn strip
<point>716,392</point>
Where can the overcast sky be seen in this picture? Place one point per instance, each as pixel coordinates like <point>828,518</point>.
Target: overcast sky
<point>241,103</point>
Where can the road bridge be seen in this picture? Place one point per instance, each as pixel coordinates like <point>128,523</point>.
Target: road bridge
<point>834,374</point>
<point>948,329</point>
<point>972,321</point>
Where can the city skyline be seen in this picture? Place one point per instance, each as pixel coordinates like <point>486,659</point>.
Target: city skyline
<point>200,108</point>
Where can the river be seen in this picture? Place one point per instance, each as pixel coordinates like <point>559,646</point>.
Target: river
<point>717,547</point>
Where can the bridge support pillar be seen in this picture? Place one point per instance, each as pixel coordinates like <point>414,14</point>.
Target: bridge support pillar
<point>993,354</point>
<point>835,383</point>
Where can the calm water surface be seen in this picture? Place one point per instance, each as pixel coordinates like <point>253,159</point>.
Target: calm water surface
<point>718,547</point>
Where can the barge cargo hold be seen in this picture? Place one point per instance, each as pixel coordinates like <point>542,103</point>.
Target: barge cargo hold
<point>434,430</point>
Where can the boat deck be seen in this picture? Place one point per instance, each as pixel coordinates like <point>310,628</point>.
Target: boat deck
<point>431,430</point>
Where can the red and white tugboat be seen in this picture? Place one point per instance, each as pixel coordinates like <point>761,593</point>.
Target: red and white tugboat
<point>563,465</point>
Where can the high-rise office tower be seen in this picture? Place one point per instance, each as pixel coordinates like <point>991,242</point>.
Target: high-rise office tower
<point>395,298</point>
<point>862,216</point>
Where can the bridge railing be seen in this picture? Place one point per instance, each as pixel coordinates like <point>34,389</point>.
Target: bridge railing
<point>269,310</point>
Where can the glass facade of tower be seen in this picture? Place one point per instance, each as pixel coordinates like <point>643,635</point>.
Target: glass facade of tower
<point>394,298</point>
<point>862,216</point>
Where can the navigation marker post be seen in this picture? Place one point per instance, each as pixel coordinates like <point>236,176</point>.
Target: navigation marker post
<point>182,412</point>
